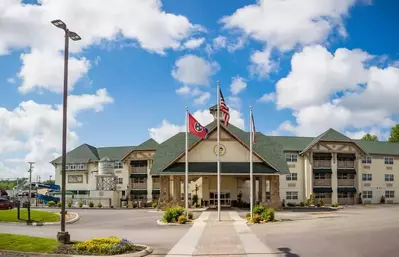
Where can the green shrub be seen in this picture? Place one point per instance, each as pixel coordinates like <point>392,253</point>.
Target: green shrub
<point>247,216</point>
<point>135,205</point>
<point>197,205</point>
<point>258,209</point>
<point>320,203</point>
<point>256,218</point>
<point>182,219</point>
<point>99,205</point>
<point>190,215</point>
<point>69,203</point>
<point>172,214</point>
<point>335,204</point>
<point>154,204</point>
<point>302,204</point>
<point>59,204</point>
<point>91,204</point>
<point>268,215</point>
<point>50,203</point>
<point>195,200</point>
<point>105,246</point>
<point>80,204</point>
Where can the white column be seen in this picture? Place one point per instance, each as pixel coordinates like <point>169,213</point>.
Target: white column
<point>306,171</point>
<point>149,182</point>
<point>334,180</point>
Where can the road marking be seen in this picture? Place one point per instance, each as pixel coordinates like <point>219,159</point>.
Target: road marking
<point>251,243</point>
<point>187,244</point>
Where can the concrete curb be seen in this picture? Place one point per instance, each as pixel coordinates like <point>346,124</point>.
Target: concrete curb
<point>159,222</point>
<point>142,253</point>
<point>73,220</point>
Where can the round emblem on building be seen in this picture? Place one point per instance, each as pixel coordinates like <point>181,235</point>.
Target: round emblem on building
<point>222,150</point>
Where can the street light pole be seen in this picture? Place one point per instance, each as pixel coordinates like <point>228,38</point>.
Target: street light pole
<point>63,236</point>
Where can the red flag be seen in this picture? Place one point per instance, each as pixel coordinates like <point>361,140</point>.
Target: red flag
<point>196,128</point>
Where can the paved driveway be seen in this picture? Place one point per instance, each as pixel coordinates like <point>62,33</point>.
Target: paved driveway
<point>137,225</point>
<point>353,232</point>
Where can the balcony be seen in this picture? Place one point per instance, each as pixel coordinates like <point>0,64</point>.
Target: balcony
<point>139,185</point>
<point>136,170</point>
<point>346,164</point>
<point>346,182</point>
<point>322,164</point>
<point>322,182</point>
<point>156,185</point>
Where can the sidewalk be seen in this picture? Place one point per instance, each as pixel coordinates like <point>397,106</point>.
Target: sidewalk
<point>229,237</point>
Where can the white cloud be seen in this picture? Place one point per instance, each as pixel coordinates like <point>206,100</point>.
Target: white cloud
<point>194,70</point>
<point>268,97</point>
<point>46,70</point>
<point>167,129</point>
<point>261,63</point>
<point>238,84</point>
<point>11,80</point>
<point>283,25</point>
<point>219,42</point>
<point>203,98</point>
<point>340,90</point>
<point>235,102</point>
<point>193,43</point>
<point>34,129</point>
<point>27,26</point>
<point>184,90</point>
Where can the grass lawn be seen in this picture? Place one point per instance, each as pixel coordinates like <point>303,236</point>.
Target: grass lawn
<point>27,243</point>
<point>35,215</point>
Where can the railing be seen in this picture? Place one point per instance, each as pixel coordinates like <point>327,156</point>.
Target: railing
<point>138,169</point>
<point>346,182</point>
<point>322,182</point>
<point>321,163</point>
<point>139,185</point>
<point>156,185</point>
<point>347,200</point>
<point>346,164</point>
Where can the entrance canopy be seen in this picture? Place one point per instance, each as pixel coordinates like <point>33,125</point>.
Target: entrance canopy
<point>226,168</point>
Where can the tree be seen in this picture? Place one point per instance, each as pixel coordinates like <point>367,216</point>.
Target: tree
<point>394,138</point>
<point>369,137</point>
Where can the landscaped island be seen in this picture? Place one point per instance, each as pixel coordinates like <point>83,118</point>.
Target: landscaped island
<point>95,246</point>
<point>35,216</point>
<point>177,215</point>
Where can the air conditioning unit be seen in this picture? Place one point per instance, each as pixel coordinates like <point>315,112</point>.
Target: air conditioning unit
<point>390,201</point>
<point>366,201</point>
<point>367,184</point>
<point>291,185</point>
<point>118,187</point>
<point>366,167</point>
<point>118,171</point>
<point>389,185</point>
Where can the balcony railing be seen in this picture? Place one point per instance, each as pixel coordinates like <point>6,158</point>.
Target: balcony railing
<point>321,163</point>
<point>346,182</point>
<point>322,182</point>
<point>348,200</point>
<point>138,169</point>
<point>156,185</point>
<point>346,164</point>
<point>139,185</point>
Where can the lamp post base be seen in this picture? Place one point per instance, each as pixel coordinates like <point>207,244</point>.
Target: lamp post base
<point>63,237</point>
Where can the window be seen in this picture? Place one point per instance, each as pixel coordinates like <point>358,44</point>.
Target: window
<point>389,177</point>
<point>291,157</point>
<point>120,180</point>
<point>367,177</point>
<point>388,160</point>
<point>320,175</point>
<point>291,195</point>
<point>390,194</point>
<point>345,176</point>
<point>118,165</point>
<point>81,166</point>
<point>292,176</point>
<point>367,160</point>
<point>367,194</point>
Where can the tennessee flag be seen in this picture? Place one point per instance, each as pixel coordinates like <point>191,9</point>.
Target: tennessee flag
<point>196,128</point>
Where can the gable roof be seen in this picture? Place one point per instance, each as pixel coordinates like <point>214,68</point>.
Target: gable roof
<point>170,150</point>
<point>150,144</point>
<point>331,135</point>
<point>86,153</point>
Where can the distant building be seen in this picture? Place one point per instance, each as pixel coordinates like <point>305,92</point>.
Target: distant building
<point>331,166</point>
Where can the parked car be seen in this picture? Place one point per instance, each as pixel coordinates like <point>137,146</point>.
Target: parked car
<point>6,204</point>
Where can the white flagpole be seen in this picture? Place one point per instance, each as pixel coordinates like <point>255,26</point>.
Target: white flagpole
<point>251,164</point>
<point>218,145</point>
<point>186,173</point>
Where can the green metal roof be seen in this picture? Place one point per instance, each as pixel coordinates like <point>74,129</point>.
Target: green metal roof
<point>291,143</point>
<point>114,153</point>
<point>174,147</point>
<point>150,144</point>
<point>225,168</point>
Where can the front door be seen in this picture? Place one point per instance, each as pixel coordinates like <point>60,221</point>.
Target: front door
<point>225,199</point>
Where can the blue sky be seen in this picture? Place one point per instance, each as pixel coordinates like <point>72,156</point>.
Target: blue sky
<point>125,90</point>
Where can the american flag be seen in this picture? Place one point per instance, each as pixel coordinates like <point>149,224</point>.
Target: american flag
<point>224,109</point>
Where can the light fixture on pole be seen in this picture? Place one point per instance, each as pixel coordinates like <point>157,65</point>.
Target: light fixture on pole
<point>63,236</point>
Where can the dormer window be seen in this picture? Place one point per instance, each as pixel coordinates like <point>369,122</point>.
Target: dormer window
<point>291,157</point>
